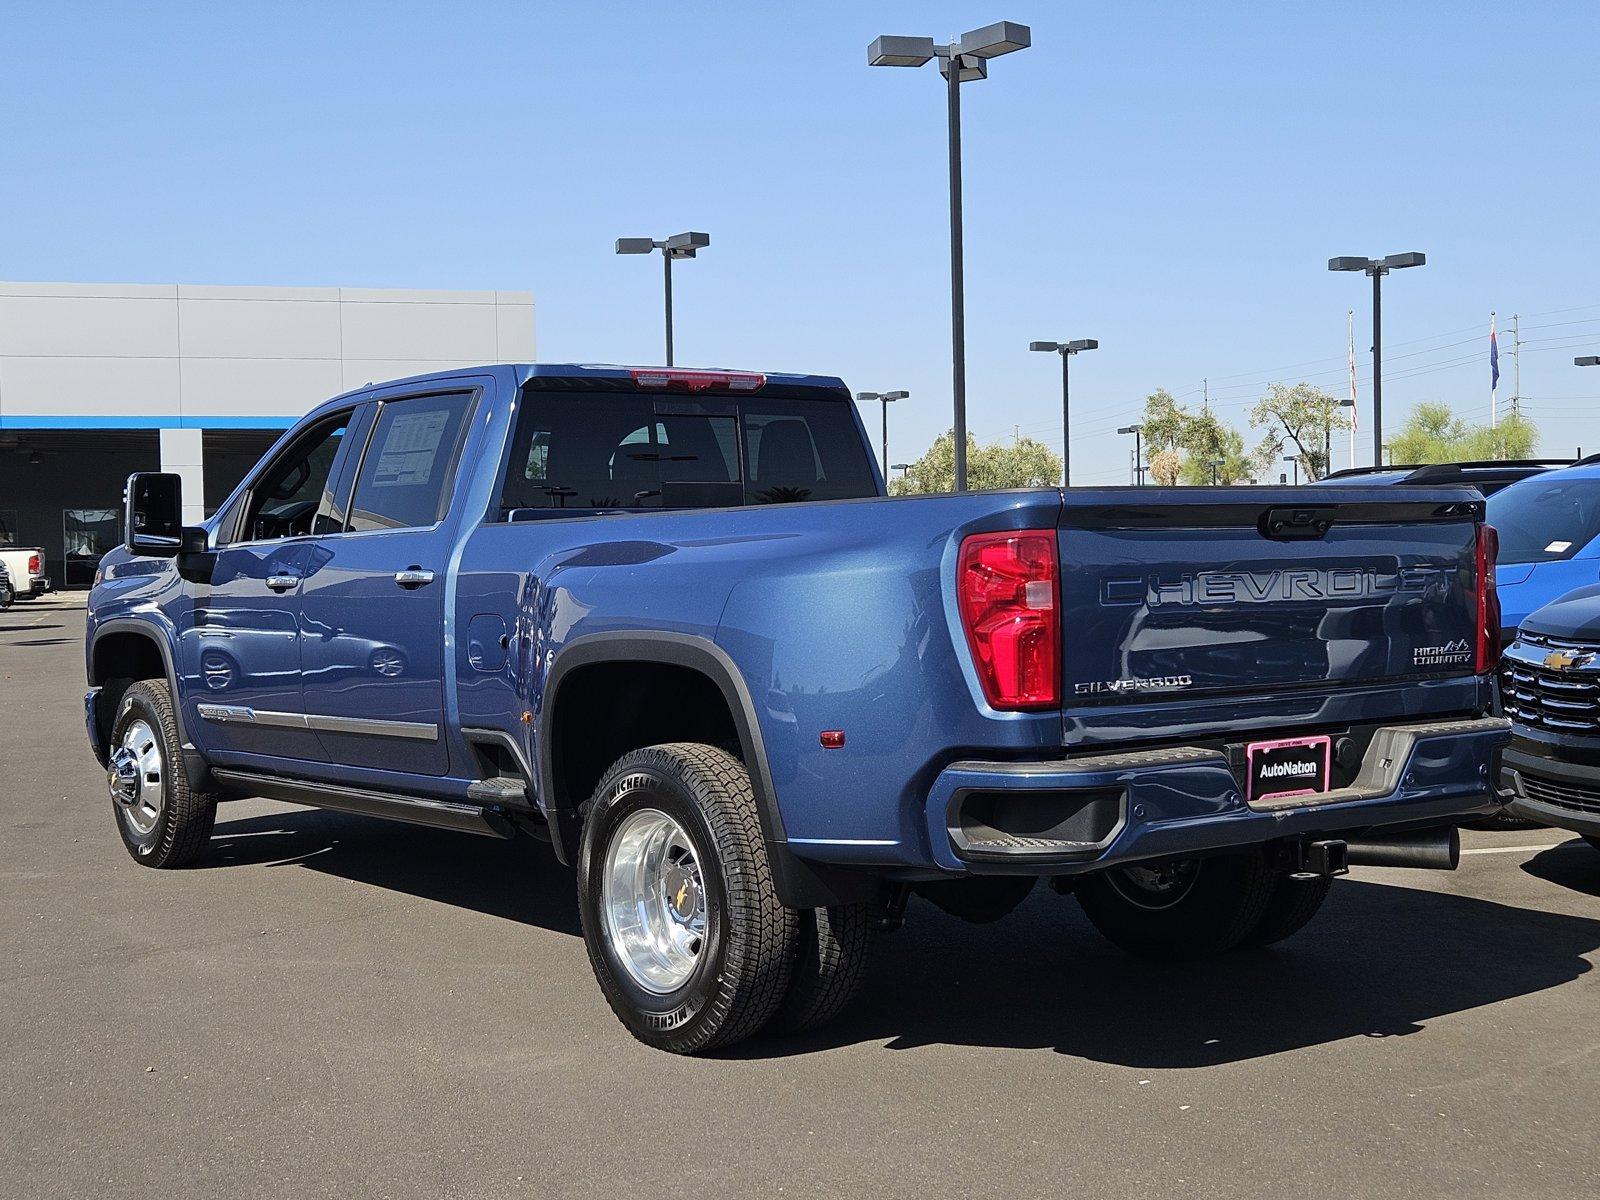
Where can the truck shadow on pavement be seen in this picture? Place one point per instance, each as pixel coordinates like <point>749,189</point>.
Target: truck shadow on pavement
<point>1380,961</point>
<point>1572,865</point>
<point>518,880</point>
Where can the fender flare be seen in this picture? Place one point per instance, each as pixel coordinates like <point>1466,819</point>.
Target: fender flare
<point>194,764</point>
<point>801,884</point>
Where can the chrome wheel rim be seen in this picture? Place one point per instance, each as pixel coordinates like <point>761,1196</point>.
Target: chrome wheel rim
<point>1157,885</point>
<point>136,778</point>
<point>654,901</point>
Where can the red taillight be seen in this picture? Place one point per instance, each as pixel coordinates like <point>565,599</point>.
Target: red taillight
<point>1488,656</point>
<point>1009,590</point>
<point>697,381</point>
<point>34,566</point>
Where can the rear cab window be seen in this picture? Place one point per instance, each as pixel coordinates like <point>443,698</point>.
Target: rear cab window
<point>587,451</point>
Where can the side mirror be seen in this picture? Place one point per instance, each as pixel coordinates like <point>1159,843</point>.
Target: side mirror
<point>152,514</point>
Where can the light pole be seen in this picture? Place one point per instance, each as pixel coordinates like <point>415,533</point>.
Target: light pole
<point>1289,458</point>
<point>887,398</point>
<point>964,59</point>
<point>1138,452</point>
<point>1216,465</point>
<point>679,245</point>
<point>1377,268</point>
<point>1066,350</point>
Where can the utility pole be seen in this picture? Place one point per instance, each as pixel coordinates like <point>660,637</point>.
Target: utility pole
<point>1516,365</point>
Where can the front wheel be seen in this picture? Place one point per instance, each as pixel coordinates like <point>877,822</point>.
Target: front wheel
<point>1180,908</point>
<point>8,594</point>
<point>681,917</point>
<point>163,821</point>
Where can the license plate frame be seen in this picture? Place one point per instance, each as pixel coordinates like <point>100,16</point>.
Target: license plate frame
<point>1288,754</point>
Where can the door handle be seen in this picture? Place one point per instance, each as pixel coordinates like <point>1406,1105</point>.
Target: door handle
<point>282,583</point>
<point>413,578</point>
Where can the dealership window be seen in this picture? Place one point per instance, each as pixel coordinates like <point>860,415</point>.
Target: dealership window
<point>86,535</point>
<point>8,527</point>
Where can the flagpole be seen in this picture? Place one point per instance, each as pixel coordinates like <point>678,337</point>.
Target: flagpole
<point>1350,322</point>
<point>1494,375</point>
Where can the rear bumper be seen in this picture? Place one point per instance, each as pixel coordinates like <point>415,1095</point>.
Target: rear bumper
<point>1565,795</point>
<point>1081,814</point>
<point>38,585</point>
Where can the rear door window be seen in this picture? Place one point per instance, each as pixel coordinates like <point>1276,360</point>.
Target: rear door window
<point>406,471</point>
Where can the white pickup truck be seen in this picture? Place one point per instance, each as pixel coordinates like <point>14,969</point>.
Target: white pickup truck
<point>25,566</point>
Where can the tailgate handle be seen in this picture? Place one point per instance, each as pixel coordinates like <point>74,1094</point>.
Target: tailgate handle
<point>1298,524</point>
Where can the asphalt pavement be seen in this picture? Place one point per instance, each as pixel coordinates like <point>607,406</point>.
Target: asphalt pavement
<point>329,1005</point>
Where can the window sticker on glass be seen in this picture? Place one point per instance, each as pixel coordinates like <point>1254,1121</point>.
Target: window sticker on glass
<point>410,449</point>
<point>1557,547</point>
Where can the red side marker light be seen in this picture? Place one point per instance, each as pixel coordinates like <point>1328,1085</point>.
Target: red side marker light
<point>832,739</point>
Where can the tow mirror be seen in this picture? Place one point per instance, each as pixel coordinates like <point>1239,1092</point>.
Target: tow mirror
<point>152,514</point>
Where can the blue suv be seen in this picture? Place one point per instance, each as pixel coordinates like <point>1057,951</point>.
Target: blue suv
<point>1549,526</point>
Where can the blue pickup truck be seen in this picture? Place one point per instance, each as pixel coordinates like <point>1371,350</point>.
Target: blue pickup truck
<point>668,620</point>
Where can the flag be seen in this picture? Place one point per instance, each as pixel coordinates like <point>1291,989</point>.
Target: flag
<point>1350,321</point>
<point>1494,358</point>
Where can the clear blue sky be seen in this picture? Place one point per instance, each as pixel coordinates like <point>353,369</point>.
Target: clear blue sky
<point>1169,178</point>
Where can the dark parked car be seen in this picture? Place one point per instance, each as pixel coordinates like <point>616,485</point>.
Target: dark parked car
<point>1550,686</point>
<point>1487,476</point>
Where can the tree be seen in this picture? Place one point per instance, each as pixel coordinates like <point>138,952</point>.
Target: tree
<point>1022,463</point>
<point>1301,415</point>
<point>1164,422</point>
<point>1209,443</point>
<point>1431,434</point>
<point>1165,467</point>
<point>1516,436</point>
<point>1182,445</point>
<point>1434,434</point>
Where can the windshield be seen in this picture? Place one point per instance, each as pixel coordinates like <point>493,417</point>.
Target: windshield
<point>1546,518</point>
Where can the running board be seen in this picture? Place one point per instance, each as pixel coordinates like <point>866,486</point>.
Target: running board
<point>439,814</point>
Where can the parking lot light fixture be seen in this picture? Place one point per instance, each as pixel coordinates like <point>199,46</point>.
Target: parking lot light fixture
<point>1377,268</point>
<point>1066,350</point>
<point>886,399</point>
<point>1587,360</point>
<point>1138,451</point>
<point>679,245</point>
<point>961,61</point>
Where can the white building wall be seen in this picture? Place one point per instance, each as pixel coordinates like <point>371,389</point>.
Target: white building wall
<point>192,356</point>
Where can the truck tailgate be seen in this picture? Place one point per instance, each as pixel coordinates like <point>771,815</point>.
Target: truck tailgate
<point>1186,606</point>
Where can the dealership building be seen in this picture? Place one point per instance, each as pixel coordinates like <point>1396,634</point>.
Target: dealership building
<point>100,380</point>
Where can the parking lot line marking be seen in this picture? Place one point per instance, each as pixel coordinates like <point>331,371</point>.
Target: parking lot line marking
<point>1516,849</point>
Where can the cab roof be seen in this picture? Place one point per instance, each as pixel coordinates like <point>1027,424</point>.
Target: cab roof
<point>609,376</point>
